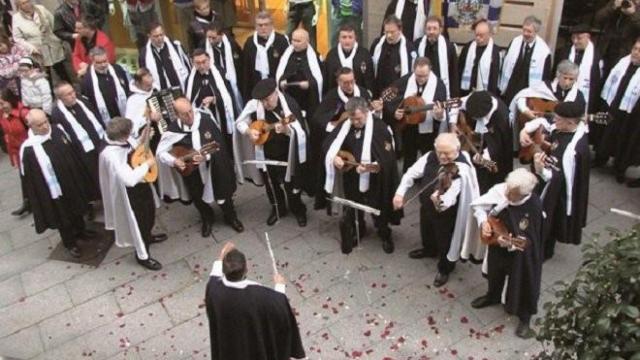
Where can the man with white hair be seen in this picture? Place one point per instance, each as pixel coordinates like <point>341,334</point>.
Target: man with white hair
<point>517,207</point>
<point>480,61</point>
<point>527,61</point>
<point>447,185</point>
<point>106,86</point>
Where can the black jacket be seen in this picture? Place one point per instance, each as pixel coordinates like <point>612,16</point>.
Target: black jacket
<point>64,19</point>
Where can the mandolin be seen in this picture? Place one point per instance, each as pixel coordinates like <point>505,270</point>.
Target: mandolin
<point>143,152</point>
<point>265,128</point>
<point>386,96</point>
<point>187,154</point>
<point>350,163</point>
<point>470,143</point>
<point>499,230</point>
<point>415,108</point>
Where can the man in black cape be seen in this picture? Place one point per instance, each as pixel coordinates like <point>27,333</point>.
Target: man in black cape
<point>479,61</point>
<point>349,53</point>
<point>416,138</point>
<point>248,320</point>
<point>227,57</point>
<point>412,13</point>
<point>564,174</point>
<point>330,110</point>
<point>299,73</point>
<point>392,54</point>
<point>261,54</point>
<point>520,209</point>
<point>370,142</point>
<point>287,144</point>
<point>442,53</point>
<point>165,59</point>
<point>82,126</point>
<point>621,137</point>
<point>488,118</point>
<point>444,212</point>
<point>56,182</point>
<point>213,179</point>
<point>208,89</point>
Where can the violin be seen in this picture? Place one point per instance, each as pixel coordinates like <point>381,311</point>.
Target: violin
<point>264,128</point>
<point>499,230</point>
<point>446,174</point>
<point>187,154</point>
<point>471,142</point>
<point>350,162</point>
<point>143,152</point>
<point>415,108</point>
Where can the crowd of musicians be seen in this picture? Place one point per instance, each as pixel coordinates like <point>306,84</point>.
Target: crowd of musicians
<point>364,132</point>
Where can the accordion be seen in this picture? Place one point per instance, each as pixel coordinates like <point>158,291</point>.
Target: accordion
<point>162,102</point>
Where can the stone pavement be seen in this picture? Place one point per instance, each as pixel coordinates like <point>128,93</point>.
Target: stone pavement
<point>367,305</point>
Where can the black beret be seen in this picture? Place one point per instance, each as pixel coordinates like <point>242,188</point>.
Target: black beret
<point>569,109</point>
<point>478,104</point>
<point>263,89</point>
<point>580,29</point>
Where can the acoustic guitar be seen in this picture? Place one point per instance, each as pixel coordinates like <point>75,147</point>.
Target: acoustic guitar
<point>265,128</point>
<point>187,154</point>
<point>143,152</point>
<point>415,108</point>
<point>500,231</point>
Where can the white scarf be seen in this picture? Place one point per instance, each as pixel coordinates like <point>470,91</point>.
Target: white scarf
<point>80,132</point>
<point>404,63</point>
<point>48,172</point>
<point>443,59</point>
<point>421,18</point>
<point>120,93</point>
<point>229,67</point>
<point>224,93</point>
<point>176,59</point>
<point>536,67</point>
<point>343,97</point>
<point>347,61</point>
<point>484,67</point>
<point>262,55</point>
<point>427,95</point>
<point>314,66</point>
<point>584,76</point>
<point>337,144</point>
<point>631,93</point>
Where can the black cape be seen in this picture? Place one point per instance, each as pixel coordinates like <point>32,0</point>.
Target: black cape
<point>254,323</point>
<point>392,105</point>
<point>109,93</point>
<point>408,17</point>
<point>74,179</point>
<point>452,60</point>
<point>89,159</point>
<point>523,287</point>
<point>389,68</point>
<point>204,86</point>
<point>362,68</point>
<point>382,185</point>
<point>249,74</point>
<point>236,54</point>
<point>494,71</point>
<point>298,69</point>
<point>520,76</point>
<point>596,78</point>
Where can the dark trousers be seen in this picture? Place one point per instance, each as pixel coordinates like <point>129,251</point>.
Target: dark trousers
<point>499,267</point>
<point>274,183</point>
<point>414,142</point>
<point>195,187</point>
<point>70,229</point>
<point>144,210</point>
<point>302,13</point>
<point>61,70</point>
<point>436,230</point>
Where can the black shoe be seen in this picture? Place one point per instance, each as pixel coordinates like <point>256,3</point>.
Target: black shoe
<point>87,234</point>
<point>419,254</point>
<point>388,246</point>
<point>273,217</point>
<point>440,279</point>
<point>302,219</point>
<point>236,225</point>
<point>158,238</point>
<point>482,302</point>
<point>206,229</point>
<point>150,264</point>
<point>523,331</point>
<point>74,251</point>
<point>620,178</point>
<point>23,209</point>
<point>634,183</point>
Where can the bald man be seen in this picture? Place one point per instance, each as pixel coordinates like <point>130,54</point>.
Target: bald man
<point>479,63</point>
<point>213,178</point>
<point>299,73</point>
<point>444,211</point>
<point>56,181</point>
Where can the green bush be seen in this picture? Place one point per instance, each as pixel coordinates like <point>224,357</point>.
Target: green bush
<point>597,315</point>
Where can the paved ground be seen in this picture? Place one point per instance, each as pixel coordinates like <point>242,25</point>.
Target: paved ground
<point>365,305</point>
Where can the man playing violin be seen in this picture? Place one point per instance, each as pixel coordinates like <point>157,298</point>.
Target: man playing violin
<point>277,151</point>
<point>213,177</point>
<point>445,196</point>
<point>366,144</point>
<point>424,84</point>
<point>564,174</point>
<point>516,206</point>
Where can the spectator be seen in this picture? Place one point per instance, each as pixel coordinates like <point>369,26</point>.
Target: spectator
<point>346,12</point>
<point>10,55</point>
<point>90,37</point>
<point>70,11</point>
<point>620,24</point>
<point>33,28</point>
<point>13,122</point>
<point>301,13</point>
<point>35,90</point>
<point>203,16</point>
<point>142,13</point>
<point>184,14</point>
<point>226,9</point>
